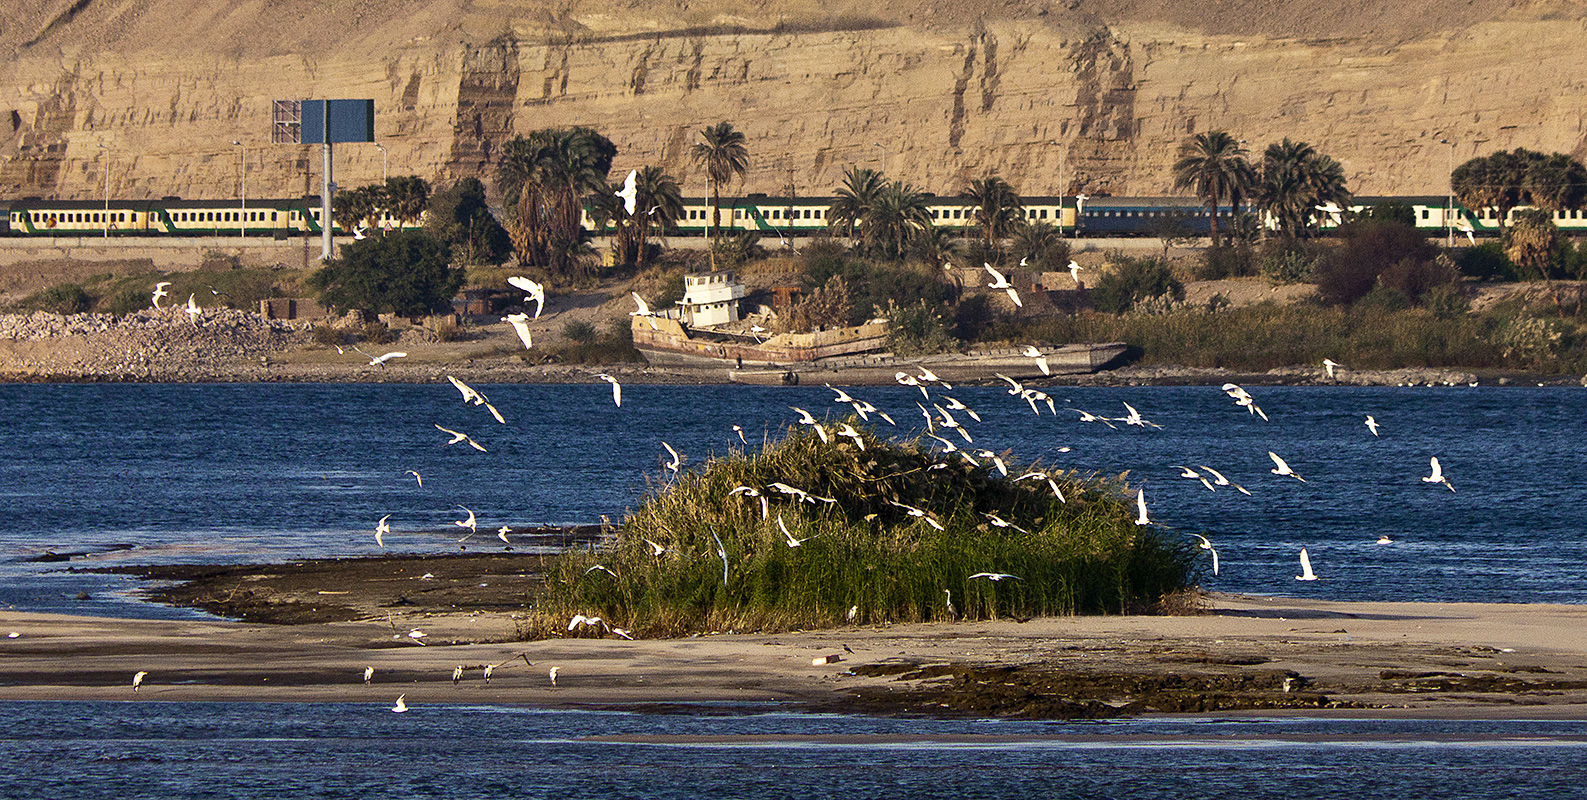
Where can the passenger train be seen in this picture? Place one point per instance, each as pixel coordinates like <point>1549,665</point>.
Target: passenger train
<point>772,216</point>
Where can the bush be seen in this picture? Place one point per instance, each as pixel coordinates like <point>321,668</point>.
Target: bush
<point>972,316</point>
<point>1384,298</point>
<point>1446,301</point>
<point>65,298</point>
<point>449,331</point>
<point>403,272</point>
<point>1133,280</point>
<point>917,330</point>
<point>1486,262</point>
<point>579,332</point>
<point>1225,261</point>
<point>329,336</point>
<point>1414,277</point>
<point>1370,247</point>
<point>376,332</point>
<point>725,566</point>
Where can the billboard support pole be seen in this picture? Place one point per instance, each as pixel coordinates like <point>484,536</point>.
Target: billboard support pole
<point>327,186</point>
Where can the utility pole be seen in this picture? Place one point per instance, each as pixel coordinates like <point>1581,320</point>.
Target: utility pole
<point>107,188</point>
<point>1449,210</point>
<point>242,189</point>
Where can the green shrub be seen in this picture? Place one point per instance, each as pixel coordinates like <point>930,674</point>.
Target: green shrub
<point>579,332</point>
<point>1370,248</point>
<point>329,336</point>
<point>1288,265</point>
<point>376,332</point>
<point>449,331</point>
<point>1486,262</point>
<point>1385,298</point>
<point>1133,280</point>
<point>1225,261</point>
<point>65,298</point>
<point>724,566</point>
<point>917,330</point>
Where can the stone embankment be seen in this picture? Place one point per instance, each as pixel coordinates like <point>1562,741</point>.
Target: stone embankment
<point>165,345</point>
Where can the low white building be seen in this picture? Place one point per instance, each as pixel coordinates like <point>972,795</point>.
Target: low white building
<point>710,298</point>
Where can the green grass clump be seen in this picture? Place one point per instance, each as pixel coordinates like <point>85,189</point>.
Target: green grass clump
<point>862,550</point>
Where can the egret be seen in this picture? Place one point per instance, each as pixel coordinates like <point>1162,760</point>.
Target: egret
<point>1330,365</point>
<point>994,576</point>
<point>1140,505</point>
<point>1207,546</point>
<point>381,529</point>
<point>999,522</point>
<point>955,405</point>
<point>1282,468</point>
<point>590,622</point>
<point>949,422</point>
<point>1000,282</point>
<point>848,430</point>
<point>918,513</point>
<point>458,436</point>
<point>996,461</point>
<point>137,680</point>
<point>416,477</point>
<point>193,311</point>
<point>740,431</point>
<point>472,523</point>
<point>1372,425</point>
<point>1305,567</point>
<point>536,292</point>
<point>520,325</point>
<point>617,389</point>
<point>457,674</point>
<point>806,419</point>
<point>468,392</point>
<point>1384,539</point>
<point>1187,472</point>
<point>655,549</point>
<point>380,360</point>
<point>159,292</point>
<point>1438,475</point>
<point>1074,272</point>
<point>630,191</point>
<point>676,461</point>
<point>747,491</point>
<point>400,706</point>
<point>906,379</point>
<point>792,542</point>
<point>1222,481</point>
<point>1015,387</point>
<point>1030,351</point>
<point>644,311</point>
<point>553,675</point>
<point>369,672</point>
<point>501,533</point>
<point>931,377</point>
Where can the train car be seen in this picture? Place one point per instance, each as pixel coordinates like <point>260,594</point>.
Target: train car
<point>37,217</point>
<point>1147,216</point>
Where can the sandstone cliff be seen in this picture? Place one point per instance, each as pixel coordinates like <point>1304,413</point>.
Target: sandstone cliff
<point>1102,91</point>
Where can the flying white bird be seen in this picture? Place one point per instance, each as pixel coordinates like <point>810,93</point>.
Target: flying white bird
<point>1464,226</point>
<point>1207,546</point>
<point>996,460</point>
<point>999,522</point>
<point>1140,505</point>
<point>617,389</point>
<point>417,477</point>
<point>1032,395</point>
<point>1000,282</point>
<point>1372,425</point>
<point>655,549</point>
<point>381,529</point>
<point>458,436</point>
<point>644,311</point>
<point>750,491</point>
<point>806,419</point>
<point>1305,567</point>
<point>400,706</point>
<point>1015,387</point>
<point>948,421</point>
<point>1134,418</point>
<point>1074,272</point>
<point>1030,351</point>
<point>501,533</point>
<point>792,542</point>
<point>469,395</point>
<point>1438,475</point>
<point>380,360</point>
<point>159,292</point>
<point>918,513</point>
<point>472,523</point>
<point>599,568</point>
<point>536,292</point>
<point>1282,468</point>
<point>740,431</point>
<point>848,430</point>
<point>580,619</point>
<point>193,311</point>
<point>1222,481</point>
<point>1330,365</point>
<point>1086,416</point>
<point>676,461</point>
<point>955,405</point>
<point>906,379</point>
<point>137,680</point>
<point>520,325</point>
<point>1187,472</point>
<point>630,191</point>
<point>931,377</point>
<point>994,576</point>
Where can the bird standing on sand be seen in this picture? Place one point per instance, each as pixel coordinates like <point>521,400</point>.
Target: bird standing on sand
<point>137,680</point>
<point>553,675</point>
<point>457,674</point>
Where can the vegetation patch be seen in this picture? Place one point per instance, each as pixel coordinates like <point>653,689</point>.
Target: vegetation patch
<point>892,532</point>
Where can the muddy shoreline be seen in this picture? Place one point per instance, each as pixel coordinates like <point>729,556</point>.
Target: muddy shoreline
<point>303,631</point>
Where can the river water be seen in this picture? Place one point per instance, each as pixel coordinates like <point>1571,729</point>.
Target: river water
<point>221,473</point>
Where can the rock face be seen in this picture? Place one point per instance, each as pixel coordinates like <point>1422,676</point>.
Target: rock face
<point>1093,96</point>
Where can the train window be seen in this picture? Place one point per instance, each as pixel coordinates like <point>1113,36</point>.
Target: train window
<point>1426,214</point>
<point>316,216</point>
<point>273,215</point>
<point>738,213</point>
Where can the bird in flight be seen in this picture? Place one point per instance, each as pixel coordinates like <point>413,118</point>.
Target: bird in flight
<point>536,292</point>
<point>1030,351</point>
<point>400,706</point>
<point>676,461</point>
<point>159,292</point>
<point>848,430</point>
<point>381,529</point>
<point>999,522</point>
<point>137,680</point>
<point>1074,272</point>
<point>1207,546</point>
<point>1282,468</point>
<point>1000,282</point>
<point>1438,475</point>
<point>1140,506</point>
<point>1372,425</point>
<point>739,429</point>
<point>1330,365</point>
<point>520,326</point>
<point>995,576</point>
<point>955,405</point>
<point>468,392</point>
<point>617,389</point>
<point>501,533</point>
<point>193,311</point>
<point>380,361</point>
<point>630,192</point>
<point>458,436</point>
<point>644,311</point>
<point>1222,481</point>
<point>918,513</point>
<point>750,491</point>
<point>1187,472</point>
<point>806,419</point>
<point>417,477</point>
<point>905,379</point>
<point>1305,567</point>
<point>472,523</point>
<point>792,542</point>
<point>931,377</point>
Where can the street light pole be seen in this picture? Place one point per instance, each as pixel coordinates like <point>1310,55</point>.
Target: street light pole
<point>242,189</point>
<point>1449,210</point>
<point>107,188</point>
<point>383,176</point>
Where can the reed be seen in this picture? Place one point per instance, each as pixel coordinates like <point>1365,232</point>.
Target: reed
<point>862,551</point>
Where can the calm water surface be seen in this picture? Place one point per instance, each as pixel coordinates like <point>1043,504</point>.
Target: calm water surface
<point>228,472</point>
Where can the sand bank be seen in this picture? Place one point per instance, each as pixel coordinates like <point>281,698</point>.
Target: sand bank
<point>1369,659</point>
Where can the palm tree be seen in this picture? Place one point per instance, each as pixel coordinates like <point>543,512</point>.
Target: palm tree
<point>406,197</point>
<point>353,208</point>
<point>723,154</point>
<point>997,210</point>
<point>1492,181</point>
<point>1214,165</point>
<point>1295,179</point>
<point>1555,182</point>
<point>894,218</point>
<point>1042,245</point>
<point>658,204</point>
<point>860,187</point>
<point>544,177</point>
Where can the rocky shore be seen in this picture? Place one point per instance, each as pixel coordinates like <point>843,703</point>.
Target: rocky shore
<point>226,345</point>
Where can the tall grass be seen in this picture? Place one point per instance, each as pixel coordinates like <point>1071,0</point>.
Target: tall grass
<point>862,551</point>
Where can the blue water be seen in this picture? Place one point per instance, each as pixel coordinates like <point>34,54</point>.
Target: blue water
<point>243,750</point>
<point>259,472</point>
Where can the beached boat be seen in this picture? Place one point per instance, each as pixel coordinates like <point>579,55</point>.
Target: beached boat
<point>854,355</point>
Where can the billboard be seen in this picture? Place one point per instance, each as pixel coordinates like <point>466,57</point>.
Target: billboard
<point>322,121</point>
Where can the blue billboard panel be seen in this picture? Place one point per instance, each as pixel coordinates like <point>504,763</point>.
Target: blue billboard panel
<point>338,121</point>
